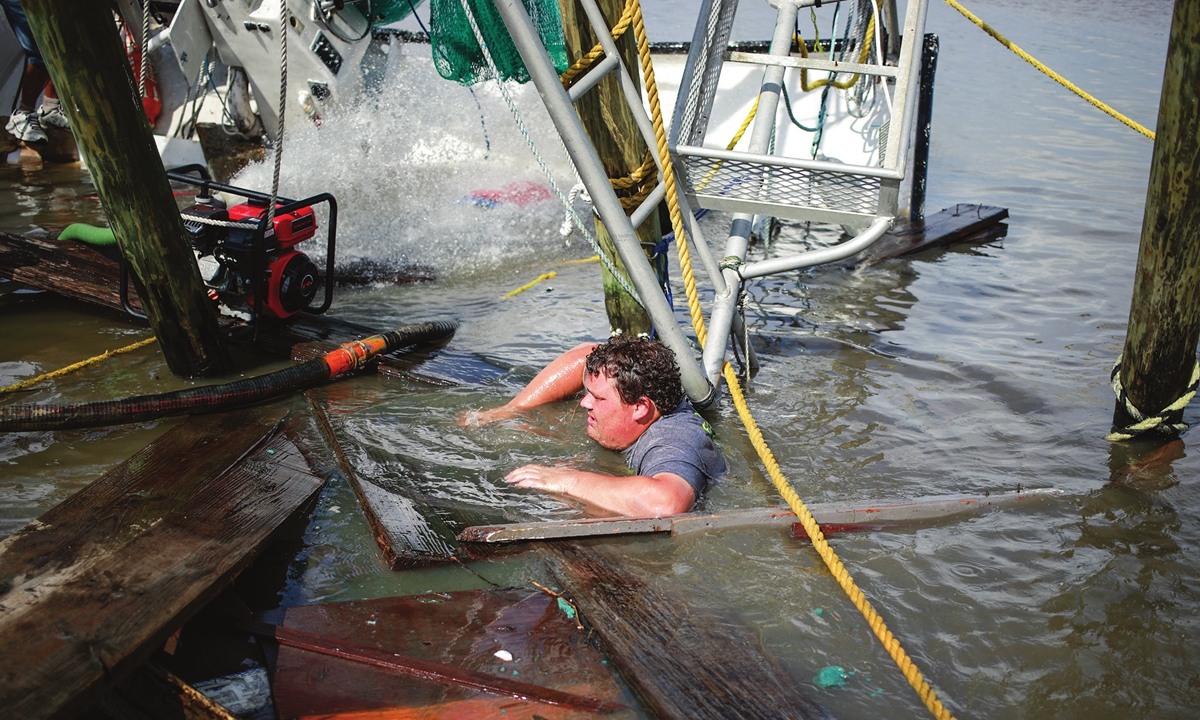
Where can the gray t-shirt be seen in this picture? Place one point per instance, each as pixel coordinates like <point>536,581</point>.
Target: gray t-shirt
<point>679,444</point>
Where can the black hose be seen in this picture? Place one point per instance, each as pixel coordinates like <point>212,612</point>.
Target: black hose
<point>15,418</point>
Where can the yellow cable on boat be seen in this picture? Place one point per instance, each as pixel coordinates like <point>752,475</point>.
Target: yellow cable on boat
<point>526,286</point>
<point>71,368</point>
<point>1059,78</point>
<point>890,643</point>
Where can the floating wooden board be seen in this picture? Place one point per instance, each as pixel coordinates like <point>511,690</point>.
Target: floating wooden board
<point>684,659</point>
<point>89,589</point>
<point>836,513</point>
<point>962,223</point>
<point>409,534</point>
<point>461,629</point>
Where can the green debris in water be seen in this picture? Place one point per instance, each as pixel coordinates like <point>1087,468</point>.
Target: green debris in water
<point>831,676</point>
<point>566,608</point>
<point>818,612</point>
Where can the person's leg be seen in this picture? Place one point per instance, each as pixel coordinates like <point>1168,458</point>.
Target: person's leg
<point>51,112</point>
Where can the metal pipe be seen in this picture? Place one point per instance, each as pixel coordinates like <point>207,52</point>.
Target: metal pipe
<point>604,199</point>
<point>818,257</point>
<point>721,319</point>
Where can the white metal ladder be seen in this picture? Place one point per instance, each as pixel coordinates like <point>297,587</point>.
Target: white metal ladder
<point>768,173</point>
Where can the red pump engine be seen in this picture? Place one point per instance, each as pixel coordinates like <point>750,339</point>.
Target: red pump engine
<point>289,278</point>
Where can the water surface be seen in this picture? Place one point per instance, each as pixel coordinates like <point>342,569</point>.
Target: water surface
<point>978,369</point>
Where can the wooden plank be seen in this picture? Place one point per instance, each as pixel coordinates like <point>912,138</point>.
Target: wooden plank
<point>462,629</point>
<point>72,627</point>
<point>69,269</point>
<point>962,223</point>
<point>152,693</point>
<point>863,513</point>
<point>683,658</point>
<point>437,672</point>
<point>408,534</point>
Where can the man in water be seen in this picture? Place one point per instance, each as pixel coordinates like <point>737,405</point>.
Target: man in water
<point>635,405</point>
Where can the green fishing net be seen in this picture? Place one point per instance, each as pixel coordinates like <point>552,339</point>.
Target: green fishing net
<point>456,52</point>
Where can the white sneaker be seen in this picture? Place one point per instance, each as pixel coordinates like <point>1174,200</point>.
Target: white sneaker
<point>26,127</point>
<point>54,117</point>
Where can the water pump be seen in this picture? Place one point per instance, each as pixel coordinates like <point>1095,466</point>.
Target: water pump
<point>249,265</point>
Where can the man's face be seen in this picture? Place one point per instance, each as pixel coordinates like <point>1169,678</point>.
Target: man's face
<point>611,422</point>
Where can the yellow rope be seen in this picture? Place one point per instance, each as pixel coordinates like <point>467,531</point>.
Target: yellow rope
<point>844,84</point>
<point>594,258</point>
<point>1059,78</point>
<point>526,286</point>
<point>586,61</point>
<point>71,368</point>
<point>890,643</point>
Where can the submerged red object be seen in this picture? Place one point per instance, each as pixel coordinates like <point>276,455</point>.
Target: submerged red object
<point>462,629</point>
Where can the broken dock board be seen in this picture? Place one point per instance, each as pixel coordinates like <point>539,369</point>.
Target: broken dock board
<point>408,534</point>
<point>550,656</point>
<point>846,514</point>
<point>89,589</point>
<point>683,659</point>
<point>964,222</point>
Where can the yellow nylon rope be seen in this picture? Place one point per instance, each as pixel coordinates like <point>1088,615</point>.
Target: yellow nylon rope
<point>71,368</point>
<point>844,84</point>
<point>526,286</point>
<point>1059,78</point>
<point>890,643</point>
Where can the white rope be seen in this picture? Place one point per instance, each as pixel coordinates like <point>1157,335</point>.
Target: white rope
<point>567,204</point>
<point>145,49</point>
<point>1157,422</point>
<point>578,190</point>
<point>282,107</point>
<point>244,224</point>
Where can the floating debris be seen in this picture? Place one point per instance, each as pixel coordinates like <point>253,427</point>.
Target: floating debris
<point>831,676</point>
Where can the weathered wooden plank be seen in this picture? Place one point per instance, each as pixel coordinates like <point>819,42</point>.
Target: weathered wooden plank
<point>460,629</point>
<point>682,658</point>
<point>67,635</point>
<point>152,693</point>
<point>70,269</point>
<point>408,534</point>
<point>862,513</point>
<point>428,670</point>
<point>961,223</point>
<point>131,497</point>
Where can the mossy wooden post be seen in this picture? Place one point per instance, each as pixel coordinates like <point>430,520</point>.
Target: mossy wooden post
<point>86,60</point>
<point>613,131</point>
<point>1164,321</point>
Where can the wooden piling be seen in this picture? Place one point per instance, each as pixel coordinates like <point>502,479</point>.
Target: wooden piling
<point>92,75</point>
<point>613,131</point>
<point>1164,320</point>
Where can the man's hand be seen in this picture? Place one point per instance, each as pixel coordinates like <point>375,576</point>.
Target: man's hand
<point>637,495</point>
<point>541,477</point>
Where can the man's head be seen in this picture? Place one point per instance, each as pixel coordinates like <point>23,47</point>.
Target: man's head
<point>630,382</point>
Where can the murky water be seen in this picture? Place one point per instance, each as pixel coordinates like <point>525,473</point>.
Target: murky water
<point>975,369</point>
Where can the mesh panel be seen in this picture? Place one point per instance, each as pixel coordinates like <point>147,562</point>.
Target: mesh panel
<point>457,55</point>
<point>794,187</point>
<point>702,85</point>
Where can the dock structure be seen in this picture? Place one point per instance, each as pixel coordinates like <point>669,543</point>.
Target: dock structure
<point>682,659</point>
<point>93,586</point>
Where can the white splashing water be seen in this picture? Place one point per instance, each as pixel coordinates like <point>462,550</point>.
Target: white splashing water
<point>405,158</point>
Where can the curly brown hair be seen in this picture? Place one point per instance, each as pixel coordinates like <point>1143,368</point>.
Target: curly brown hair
<point>639,367</point>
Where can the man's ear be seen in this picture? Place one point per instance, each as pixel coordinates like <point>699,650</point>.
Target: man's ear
<point>644,409</point>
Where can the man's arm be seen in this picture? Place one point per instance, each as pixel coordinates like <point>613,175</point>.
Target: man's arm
<point>559,380</point>
<point>638,495</point>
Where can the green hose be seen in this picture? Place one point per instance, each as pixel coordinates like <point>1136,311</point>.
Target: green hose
<point>90,234</point>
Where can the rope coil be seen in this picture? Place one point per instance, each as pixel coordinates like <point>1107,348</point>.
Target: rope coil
<point>1157,422</point>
